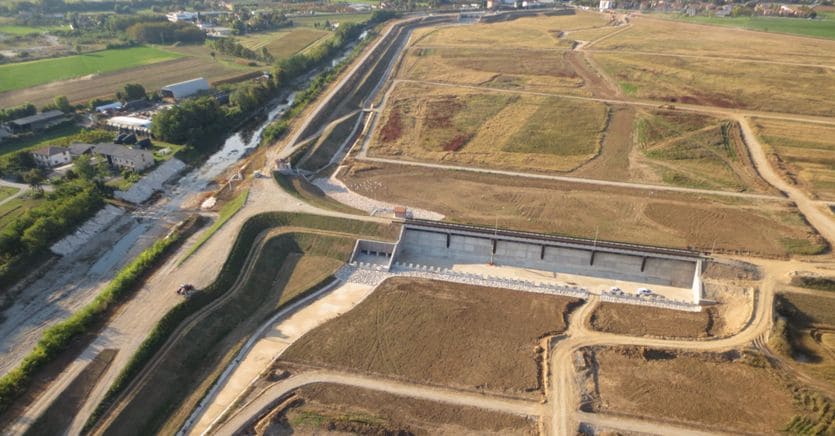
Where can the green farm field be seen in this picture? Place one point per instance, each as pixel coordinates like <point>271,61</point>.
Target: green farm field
<point>15,30</point>
<point>27,74</point>
<point>818,28</point>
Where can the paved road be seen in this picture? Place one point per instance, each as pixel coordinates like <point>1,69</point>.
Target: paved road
<point>270,397</point>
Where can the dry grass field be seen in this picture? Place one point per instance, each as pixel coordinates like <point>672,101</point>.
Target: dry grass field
<point>696,151</point>
<point>502,67</point>
<point>530,32</point>
<point>709,391</point>
<point>345,409</point>
<point>504,131</point>
<point>717,82</point>
<point>803,152</point>
<point>651,321</point>
<point>434,332</point>
<point>699,40</point>
<point>619,214</point>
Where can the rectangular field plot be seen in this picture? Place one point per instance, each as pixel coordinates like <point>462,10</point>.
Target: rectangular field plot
<point>714,82</point>
<point>695,151</point>
<point>727,392</point>
<point>283,43</point>
<point>660,218</point>
<point>444,333</point>
<point>27,74</point>
<point>496,130</point>
<point>803,152</point>
<point>505,68</point>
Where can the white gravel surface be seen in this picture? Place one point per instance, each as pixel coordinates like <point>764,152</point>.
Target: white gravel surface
<point>92,227</point>
<point>334,188</point>
<point>152,182</point>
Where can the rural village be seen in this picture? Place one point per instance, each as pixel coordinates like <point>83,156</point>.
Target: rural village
<point>417,217</point>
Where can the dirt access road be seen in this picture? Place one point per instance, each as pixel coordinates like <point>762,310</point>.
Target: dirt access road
<point>276,392</point>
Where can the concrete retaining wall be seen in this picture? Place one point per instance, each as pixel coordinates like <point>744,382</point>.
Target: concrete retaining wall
<point>418,244</point>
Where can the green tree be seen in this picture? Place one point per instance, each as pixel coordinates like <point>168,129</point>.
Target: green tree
<point>35,178</point>
<point>62,104</point>
<point>132,91</point>
<point>83,166</point>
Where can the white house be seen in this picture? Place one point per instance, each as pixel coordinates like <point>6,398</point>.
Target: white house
<point>605,5</point>
<point>121,157</point>
<point>52,156</point>
<point>181,16</point>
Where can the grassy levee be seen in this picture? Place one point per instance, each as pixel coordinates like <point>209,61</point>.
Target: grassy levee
<point>59,337</point>
<point>226,212</point>
<point>300,188</point>
<point>194,364</point>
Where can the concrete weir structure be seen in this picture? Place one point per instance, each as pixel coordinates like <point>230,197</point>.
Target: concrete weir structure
<point>447,244</point>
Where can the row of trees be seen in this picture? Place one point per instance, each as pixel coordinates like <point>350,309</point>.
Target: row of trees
<point>15,112</point>
<point>229,46</point>
<point>164,32</point>
<point>30,235</point>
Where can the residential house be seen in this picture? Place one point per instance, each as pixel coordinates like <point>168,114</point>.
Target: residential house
<point>125,158</point>
<point>79,148</point>
<point>52,156</point>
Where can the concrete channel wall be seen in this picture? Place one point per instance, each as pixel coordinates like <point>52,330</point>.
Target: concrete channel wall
<point>547,256</point>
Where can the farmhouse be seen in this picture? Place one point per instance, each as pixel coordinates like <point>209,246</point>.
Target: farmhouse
<point>52,156</point>
<point>185,89</point>
<point>125,158</point>
<point>37,122</point>
<point>79,148</point>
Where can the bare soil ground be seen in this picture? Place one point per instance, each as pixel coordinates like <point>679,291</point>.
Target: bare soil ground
<point>728,392</point>
<point>651,321</point>
<point>152,76</point>
<point>465,126</point>
<point>442,333</point>
<point>804,154</point>
<point>343,409</point>
<point>619,214</point>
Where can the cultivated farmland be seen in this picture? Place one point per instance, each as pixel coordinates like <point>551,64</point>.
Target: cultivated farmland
<point>283,43</point>
<point>28,74</point>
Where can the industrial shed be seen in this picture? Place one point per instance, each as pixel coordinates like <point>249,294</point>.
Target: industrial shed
<point>185,89</point>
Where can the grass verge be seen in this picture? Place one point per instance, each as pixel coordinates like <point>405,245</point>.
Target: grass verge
<point>227,276</point>
<point>226,213</point>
